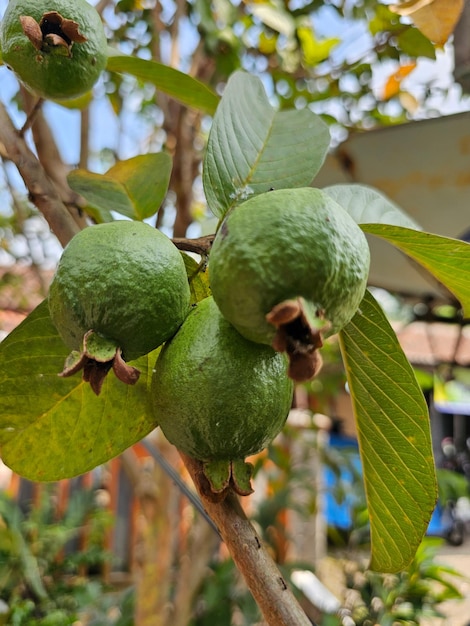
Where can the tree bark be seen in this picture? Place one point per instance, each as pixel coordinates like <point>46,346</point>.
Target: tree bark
<point>42,191</point>
<point>272,594</point>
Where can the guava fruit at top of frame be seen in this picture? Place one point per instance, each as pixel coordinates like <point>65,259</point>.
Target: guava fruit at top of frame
<point>57,48</point>
<point>219,397</point>
<point>287,268</point>
<point>124,282</point>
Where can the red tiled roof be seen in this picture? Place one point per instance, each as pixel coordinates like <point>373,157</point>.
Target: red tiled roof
<point>433,343</point>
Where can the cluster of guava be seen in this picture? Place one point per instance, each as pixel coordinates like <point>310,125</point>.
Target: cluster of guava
<point>286,269</point>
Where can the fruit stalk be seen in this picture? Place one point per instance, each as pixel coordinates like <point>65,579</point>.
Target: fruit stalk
<point>269,589</point>
<point>41,190</point>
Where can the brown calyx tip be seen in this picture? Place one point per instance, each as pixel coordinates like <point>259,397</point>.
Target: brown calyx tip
<point>53,30</point>
<point>95,371</point>
<point>298,336</point>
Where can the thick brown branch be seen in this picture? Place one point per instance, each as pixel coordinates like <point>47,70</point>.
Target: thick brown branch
<point>42,191</point>
<point>51,160</point>
<point>200,245</point>
<point>269,589</point>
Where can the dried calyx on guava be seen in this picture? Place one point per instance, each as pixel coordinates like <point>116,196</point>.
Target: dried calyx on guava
<point>219,397</point>
<point>120,290</point>
<point>57,48</point>
<point>288,268</point>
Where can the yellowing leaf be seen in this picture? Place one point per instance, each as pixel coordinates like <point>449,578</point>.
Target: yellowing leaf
<point>434,18</point>
<point>393,84</point>
<point>267,44</point>
<point>314,50</point>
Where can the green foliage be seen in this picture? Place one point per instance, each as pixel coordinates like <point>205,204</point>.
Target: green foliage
<point>253,148</point>
<point>39,579</point>
<point>52,427</point>
<point>134,188</point>
<point>392,417</point>
<point>367,205</point>
<point>445,258</point>
<point>221,596</point>
<point>404,598</point>
<point>174,83</point>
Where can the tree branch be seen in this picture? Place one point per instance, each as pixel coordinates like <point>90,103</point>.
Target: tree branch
<point>42,191</point>
<point>49,156</point>
<point>199,245</point>
<point>269,589</point>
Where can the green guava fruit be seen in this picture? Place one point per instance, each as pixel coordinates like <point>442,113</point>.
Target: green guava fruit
<point>120,290</point>
<point>287,268</point>
<point>57,48</point>
<point>219,397</point>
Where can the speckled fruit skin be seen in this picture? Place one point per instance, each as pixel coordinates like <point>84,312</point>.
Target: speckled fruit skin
<point>284,244</point>
<point>51,74</point>
<point>124,280</point>
<point>216,395</point>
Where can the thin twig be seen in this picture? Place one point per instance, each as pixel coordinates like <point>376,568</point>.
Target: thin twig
<point>31,116</point>
<point>269,589</point>
<point>42,191</point>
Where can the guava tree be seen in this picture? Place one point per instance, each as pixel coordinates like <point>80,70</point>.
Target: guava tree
<point>56,427</point>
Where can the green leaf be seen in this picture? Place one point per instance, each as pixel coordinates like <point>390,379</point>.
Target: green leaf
<point>103,195</point>
<point>198,278</point>
<point>253,148</point>
<point>394,437</point>
<point>135,187</point>
<point>367,205</point>
<point>30,565</point>
<point>52,427</point>
<point>445,258</point>
<point>384,20</point>
<point>174,83</point>
<point>413,42</point>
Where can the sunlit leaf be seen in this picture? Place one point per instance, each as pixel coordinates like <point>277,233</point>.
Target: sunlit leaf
<point>53,427</point>
<point>135,187</point>
<point>253,148</point>
<point>103,195</point>
<point>314,50</point>
<point>367,205</point>
<point>277,18</point>
<point>146,178</point>
<point>394,437</point>
<point>445,258</point>
<point>174,83</point>
<point>436,19</point>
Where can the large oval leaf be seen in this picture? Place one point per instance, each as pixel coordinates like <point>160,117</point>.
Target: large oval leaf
<point>253,148</point>
<point>394,437</point>
<point>53,428</point>
<point>445,258</point>
<point>134,187</point>
<point>368,206</point>
<point>174,83</point>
